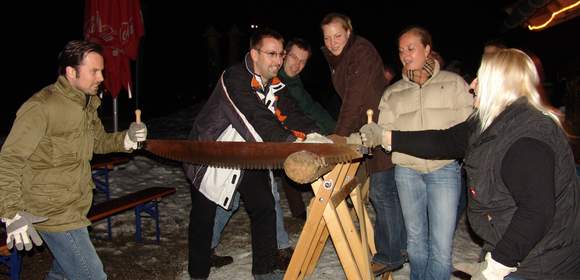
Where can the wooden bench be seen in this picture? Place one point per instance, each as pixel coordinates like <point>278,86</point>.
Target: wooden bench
<point>109,163</point>
<point>145,203</point>
<point>142,201</point>
<point>101,165</point>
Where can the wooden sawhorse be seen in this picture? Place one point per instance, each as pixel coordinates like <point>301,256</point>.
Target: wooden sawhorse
<point>329,215</point>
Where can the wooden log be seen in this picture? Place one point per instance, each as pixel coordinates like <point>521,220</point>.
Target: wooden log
<point>305,167</point>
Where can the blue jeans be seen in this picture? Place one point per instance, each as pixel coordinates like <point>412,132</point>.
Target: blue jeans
<point>390,235</point>
<point>429,202</point>
<point>222,217</point>
<point>74,255</point>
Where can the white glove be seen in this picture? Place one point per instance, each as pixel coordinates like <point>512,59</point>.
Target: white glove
<point>354,139</point>
<point>314,138</point>
<point>373,135</point>
<point>20,230</point>
<point>487,270</point>
<point>137,132</point>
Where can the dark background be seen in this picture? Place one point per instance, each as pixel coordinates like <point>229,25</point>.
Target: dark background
<point>173,69</point>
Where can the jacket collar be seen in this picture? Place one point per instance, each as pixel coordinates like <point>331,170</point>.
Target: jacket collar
<point>249,64</point>
<point>504,118</point>
<point>63,86</point>
<point>287,79</point>
<point>431,67</point>
<point>258,82</point>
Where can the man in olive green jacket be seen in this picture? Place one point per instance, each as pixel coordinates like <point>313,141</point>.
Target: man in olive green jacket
<point>45,173</point>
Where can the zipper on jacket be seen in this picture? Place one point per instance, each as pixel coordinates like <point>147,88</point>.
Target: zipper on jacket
<point>421,106</point>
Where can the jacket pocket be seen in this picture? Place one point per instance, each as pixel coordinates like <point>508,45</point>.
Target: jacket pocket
<point>50,198</point>
<point>64,159</point>
<point>65,150</point>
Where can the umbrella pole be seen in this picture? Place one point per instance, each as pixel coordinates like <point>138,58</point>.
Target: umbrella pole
<point>115,116</point>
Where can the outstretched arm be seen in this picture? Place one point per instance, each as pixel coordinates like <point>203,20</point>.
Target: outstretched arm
<point>449,143</point>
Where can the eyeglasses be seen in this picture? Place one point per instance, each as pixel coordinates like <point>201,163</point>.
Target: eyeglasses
<point>273,54</point>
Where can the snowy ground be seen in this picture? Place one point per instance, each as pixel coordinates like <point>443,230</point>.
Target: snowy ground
<point>145,172</point>
<point>236,237</point>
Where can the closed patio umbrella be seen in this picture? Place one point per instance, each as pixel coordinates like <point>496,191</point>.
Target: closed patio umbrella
<point>117,25</point>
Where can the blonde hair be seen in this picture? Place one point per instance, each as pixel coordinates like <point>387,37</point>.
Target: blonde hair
<point>503,77</point>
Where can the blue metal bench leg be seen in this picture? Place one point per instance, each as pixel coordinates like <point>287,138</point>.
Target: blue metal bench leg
<point>108,195</point>
<point>152,210</point>
<point>157,230</point>
<point>101,180</point>
<point>15,265</point>
<point>138,224</point>
<point>105,188</point>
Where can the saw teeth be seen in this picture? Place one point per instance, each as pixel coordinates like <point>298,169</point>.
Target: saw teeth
<point>255,157</point>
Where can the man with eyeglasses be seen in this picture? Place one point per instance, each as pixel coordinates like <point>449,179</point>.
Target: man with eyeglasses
<point>248,104</point>
<point>297,53</point>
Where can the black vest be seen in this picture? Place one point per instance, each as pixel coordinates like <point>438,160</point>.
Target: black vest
<point>491,206</point>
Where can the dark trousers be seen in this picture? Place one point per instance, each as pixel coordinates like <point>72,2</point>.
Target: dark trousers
<point>256,193</point>
<point>293,193</point>
<point>390,233</point>
<point>462,197</point>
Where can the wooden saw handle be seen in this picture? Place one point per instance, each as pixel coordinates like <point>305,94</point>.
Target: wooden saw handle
<point>138,116</point>
<point>138,120</point>
<point>370,120</point>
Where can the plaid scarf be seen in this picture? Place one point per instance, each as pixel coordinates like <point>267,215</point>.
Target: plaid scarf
<point>428,68</point>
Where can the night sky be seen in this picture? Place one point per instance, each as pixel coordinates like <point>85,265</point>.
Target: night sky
<point>173,67</point>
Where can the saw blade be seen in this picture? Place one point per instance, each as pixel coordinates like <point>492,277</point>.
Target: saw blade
<point>246,155</point>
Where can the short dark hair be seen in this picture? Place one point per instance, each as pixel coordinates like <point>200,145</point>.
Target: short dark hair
<point>300,43</point>
<point>260,34</point>
<point>74,52</point>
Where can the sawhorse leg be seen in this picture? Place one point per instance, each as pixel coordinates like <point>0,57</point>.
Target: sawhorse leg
<point>329,215</point>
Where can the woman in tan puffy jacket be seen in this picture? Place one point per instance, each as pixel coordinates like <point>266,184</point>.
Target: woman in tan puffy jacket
<point>426,98</point>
